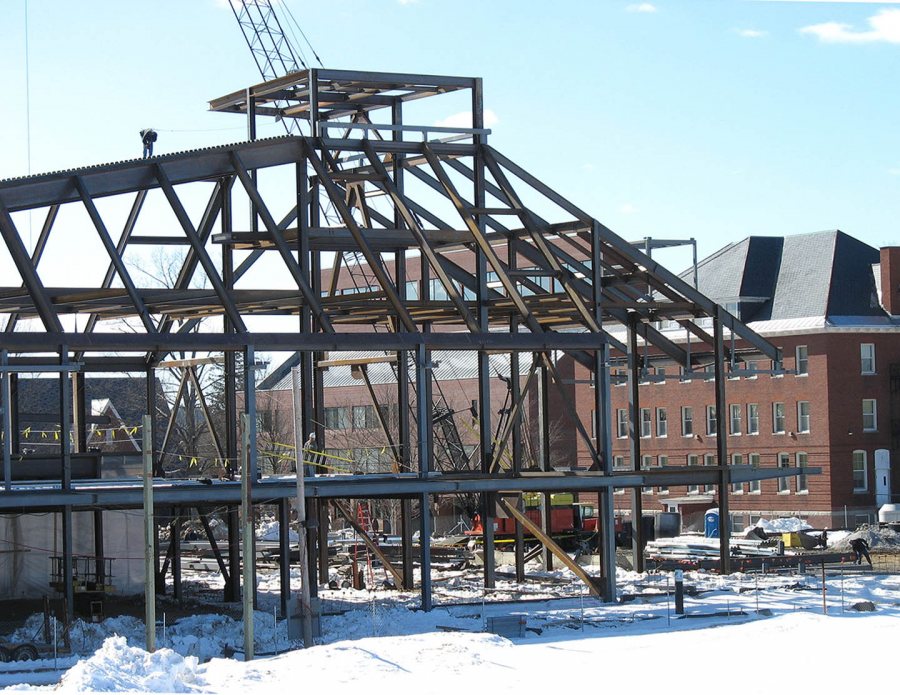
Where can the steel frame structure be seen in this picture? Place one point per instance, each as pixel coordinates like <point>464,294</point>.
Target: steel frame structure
<point>385,184</point>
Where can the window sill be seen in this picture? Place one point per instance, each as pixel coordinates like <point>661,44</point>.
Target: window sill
<point>784,492</point>
<point>802,492</point>
<point>755,492</point>
<point>860,491</point>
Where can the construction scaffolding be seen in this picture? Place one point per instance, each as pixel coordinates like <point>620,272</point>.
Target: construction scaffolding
<point>504,264</point>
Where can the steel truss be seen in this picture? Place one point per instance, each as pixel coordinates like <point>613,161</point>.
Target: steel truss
<point>389,198</point>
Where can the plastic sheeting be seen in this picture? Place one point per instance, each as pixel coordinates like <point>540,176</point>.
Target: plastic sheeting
<point>28,541</point>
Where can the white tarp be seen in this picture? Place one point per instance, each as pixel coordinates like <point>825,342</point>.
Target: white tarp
<point>28,541</point>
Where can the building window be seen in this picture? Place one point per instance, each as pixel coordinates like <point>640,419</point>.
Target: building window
<point>776,370</point>
<point>734,418</point>
<point>646,423</point>
<point>737,460</point>
<point>622,423</point>
<point>784,461</point>
<point>412,289</point>
<point>619,465</point>
<point>802,462</point>
<point>364,417</point>
<point>711,423</point>
<point>801,365</point>
<point>753,485</point>
<point>437,290</point>
<point>337,418</point>
<point>752,366</point>
<point>660,375</point>
<point>778,418</point>
<point>663,462</point>
<point>646,465</point>
<point>803,416</point>
<point>686,373</point>
<point>870,415</point>
<point>687,421</point>
<point>752,418</point>
<point>709,460</point>
<point>867,358</point>
<point>693,460</point>
<point>662,423</point>
<point>860,472</point>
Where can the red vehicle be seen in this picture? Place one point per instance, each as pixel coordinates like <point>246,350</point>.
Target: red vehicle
<point>571,522</point>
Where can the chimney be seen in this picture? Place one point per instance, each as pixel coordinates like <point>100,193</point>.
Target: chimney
<point>890,279</point>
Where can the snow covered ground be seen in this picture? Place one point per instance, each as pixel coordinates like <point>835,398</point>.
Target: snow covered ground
<point>755,633</point>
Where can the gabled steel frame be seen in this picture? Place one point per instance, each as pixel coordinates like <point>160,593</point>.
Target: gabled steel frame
<point>604,298</point>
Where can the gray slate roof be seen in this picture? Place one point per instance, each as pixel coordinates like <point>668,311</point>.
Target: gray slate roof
<point>826,274</point>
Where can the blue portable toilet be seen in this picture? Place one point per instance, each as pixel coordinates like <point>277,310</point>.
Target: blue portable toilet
<point>711,523</point>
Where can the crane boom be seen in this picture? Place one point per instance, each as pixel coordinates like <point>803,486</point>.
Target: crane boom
<point>271,49</point>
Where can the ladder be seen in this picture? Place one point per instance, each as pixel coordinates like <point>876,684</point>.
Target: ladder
<point>364,520</point>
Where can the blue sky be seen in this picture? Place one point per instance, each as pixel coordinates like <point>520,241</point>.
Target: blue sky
<point>715,119</point>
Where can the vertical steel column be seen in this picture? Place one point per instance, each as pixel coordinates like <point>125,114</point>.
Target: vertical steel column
<point>546,555</point>
<point>65,420</point>
<point>150,554</point>
<point>14,430</point>
<point>606,521</point>
<point>284,552</point>
<point>423,405</point>
<point>313,74</point>
<point>6,410</point>
<point>176,554</point>
<point>99,564</point>
<point>65,423</point>
<point>248,427</point>
<point>722,445</point>
<point>79,411</point>
<point>248,574</point>
<point>251,135</point>
<point>485,431</point>
<point>232,591</point>
<point>316,541</point>
<point>304,556</point>
<point>634,439</point>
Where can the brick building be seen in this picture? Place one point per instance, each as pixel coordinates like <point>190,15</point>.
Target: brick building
<point>831,303</point>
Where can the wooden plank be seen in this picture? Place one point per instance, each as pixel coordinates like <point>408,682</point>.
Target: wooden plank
<point>549,543</point>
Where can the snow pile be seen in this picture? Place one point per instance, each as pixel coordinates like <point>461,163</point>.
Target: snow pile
<point>883,539</point>
<point>269,530</point>
<point>788,525</point>
<point>116,667</point>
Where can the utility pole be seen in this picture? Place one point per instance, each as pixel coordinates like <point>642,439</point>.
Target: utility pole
<point>299,444</point>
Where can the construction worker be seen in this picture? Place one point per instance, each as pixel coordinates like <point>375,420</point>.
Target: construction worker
<point>861,549</point>
<point>148,137</point>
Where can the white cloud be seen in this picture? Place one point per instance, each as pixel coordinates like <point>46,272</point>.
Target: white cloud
<point>884,27</point>
<point>407,2</point>
<point>588,167</point>
<point>463,119</point>
<point>752,33</point>
<point>895,171</point>
<point>628,209</point>
<point>645,7</point>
